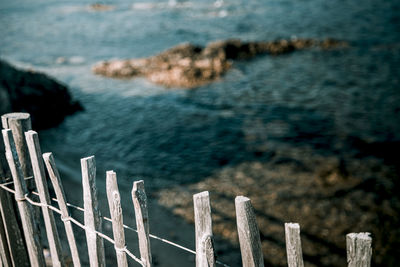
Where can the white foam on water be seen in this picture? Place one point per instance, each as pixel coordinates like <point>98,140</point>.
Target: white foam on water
<point>144,6</point>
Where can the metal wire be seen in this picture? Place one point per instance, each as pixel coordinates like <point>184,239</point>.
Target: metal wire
<point>73,220</point>
<point>76,222</point>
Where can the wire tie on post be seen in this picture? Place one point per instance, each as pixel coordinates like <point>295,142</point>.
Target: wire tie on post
<point>117,249</point>
<point>20,198</point>
<point>66,219</point>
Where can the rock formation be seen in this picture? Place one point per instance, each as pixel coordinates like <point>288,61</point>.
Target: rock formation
<point>101,7</point>
<point>188,65</point>
<point>47,100</point>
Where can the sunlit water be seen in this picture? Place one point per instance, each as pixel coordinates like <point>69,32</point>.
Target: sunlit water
<point>313,99</point>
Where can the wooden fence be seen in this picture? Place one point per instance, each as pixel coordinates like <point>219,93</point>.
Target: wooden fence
<point>20,244</point>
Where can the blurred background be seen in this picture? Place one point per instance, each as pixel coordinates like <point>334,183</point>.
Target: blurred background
<point>311,136</point>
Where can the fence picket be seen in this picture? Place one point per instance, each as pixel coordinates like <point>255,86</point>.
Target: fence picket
<point>114,203</point>
<point>359,249</point>
<point>13,228</point>
<point>205,255</point>
<point>139,199</point>
<point>4,253</point>
<point>293,245</point>
<point>62,204</point>
<point>92,214</point>
<point>15,243</point>
<point>35,250</point>
<point>16,251</point>
<point>39,174</point>
<point>19,123</point>
<point>249,235</point>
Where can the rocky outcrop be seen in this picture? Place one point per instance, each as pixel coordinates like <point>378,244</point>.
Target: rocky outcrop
<point>188,65</point>
<point>101,7</point>
<point>47,100</point>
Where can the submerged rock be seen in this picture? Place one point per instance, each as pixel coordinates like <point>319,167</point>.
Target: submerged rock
<point>188,65</point>
<point>328,196</point>
<point>47,100</point>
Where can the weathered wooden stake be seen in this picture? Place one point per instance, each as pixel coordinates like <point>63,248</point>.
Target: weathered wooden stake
<point>14,240</point>
<point>359,249</point>
<point>293,245</point>
<point>139,199</point>
<point>35,249</point>
<point>249,235</point>
<point>19,123</point>
<point>92,214</point>
<point>62,203</point>
<point>114,203</point>
<point>4,252</point>
<point>39,174</point>
<point>205,255</point>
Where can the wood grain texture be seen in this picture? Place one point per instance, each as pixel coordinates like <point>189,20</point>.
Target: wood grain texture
<point>114,203</point>
<point>35,250</point>
<point>208,250</point>
<point>14,239</point>
<point>35,154</point>
<point>4,252</point>
<point>19,123</point>
<point>62,203</point>
<point>92,214</point>
<point>293,245</point>
<point>13,227</point>
<point>205,254</point>
<point>139,199</point>
<point>359,249</point>
<point>249,235</point>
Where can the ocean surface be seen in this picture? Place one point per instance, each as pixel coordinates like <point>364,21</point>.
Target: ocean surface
<point>311,98</point>
<point>332,102</point>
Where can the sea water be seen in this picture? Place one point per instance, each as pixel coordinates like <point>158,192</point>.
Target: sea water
<point>321,100</point>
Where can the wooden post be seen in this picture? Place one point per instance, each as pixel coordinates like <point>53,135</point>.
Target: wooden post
<point>359,249</point>
<point>293,245</point>
<point>62,203</point>
<point>249,235</point>
<point>5,257</point>
<point>35,154</point>
<point>19,123</point>
<point>15,243</point>
<point>92,214</point>
<point>139,199</point>
<point>205,255</point>
<point>4,252</point>
<point>35,249</point>
<point>114,203</point>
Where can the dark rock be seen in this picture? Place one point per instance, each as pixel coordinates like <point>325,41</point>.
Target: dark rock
<point>188,65</point>
<point>47,100</point>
